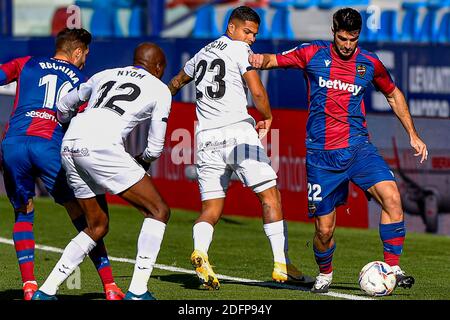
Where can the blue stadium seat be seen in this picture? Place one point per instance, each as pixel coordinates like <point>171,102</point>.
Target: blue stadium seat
<point>281,3</point>
<point>410,24</point>
<point>330,4</point>
<point>388,26</point>
<point>367,34</point>
<point>429,30</point>
<point>443,35</point>
<point>304,4</point>
<point>263,32</point>
<point>104,21</point>
<point>205,23</point>
<point>281,24</point>
<point>136,24</point>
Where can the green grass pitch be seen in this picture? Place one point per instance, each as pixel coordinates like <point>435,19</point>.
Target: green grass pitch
<point>240,249</point>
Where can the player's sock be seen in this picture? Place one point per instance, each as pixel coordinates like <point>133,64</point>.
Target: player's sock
<point>324,259</point>
<point>149,243</point>
<point>73,255</point>
<point>393,236</point>
<point>98,255</point>
<point>202,232</point>
<point>24,244</point>
<point>276,232</point>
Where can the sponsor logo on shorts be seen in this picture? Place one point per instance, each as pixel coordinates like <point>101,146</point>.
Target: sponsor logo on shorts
<point>312,208</point>
<point>83,152</point>
<point>215,145</point>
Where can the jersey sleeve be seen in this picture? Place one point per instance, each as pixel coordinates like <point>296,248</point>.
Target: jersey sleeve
<point>242,53</point>
<point>158,126</point>
<point>382,79</point>
<point>163,105</point>
<point>10,71</point>
<point>297,57</point>
<point>189,67</point>
<point>70,104</point>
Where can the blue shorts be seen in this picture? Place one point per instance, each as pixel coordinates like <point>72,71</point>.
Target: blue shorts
<point>27,158</point>
<point>330,171</point>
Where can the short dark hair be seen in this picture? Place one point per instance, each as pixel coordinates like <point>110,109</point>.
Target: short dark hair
<point>245,13</point>
<point>347,19</point>
<point>68,40</point>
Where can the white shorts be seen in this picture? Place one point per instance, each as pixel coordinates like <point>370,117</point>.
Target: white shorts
<point>234,148</point>
<point>95,170</point>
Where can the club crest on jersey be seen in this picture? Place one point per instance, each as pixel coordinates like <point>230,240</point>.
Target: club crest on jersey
<point>361,70</point>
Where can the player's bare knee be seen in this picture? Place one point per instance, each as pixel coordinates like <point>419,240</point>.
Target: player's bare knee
<point>325,234</point>
<point>392,204</point>
<point>161,213</point>
<point>98,229</point>
<point>271,204</point>
<point>98,232</point>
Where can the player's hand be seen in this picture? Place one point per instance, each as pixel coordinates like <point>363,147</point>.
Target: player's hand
<point>420,147</point>
<point>263,127</point>
<point>256,60</point>
<point>139,159</point>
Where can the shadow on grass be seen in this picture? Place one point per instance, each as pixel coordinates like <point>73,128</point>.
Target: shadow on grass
<point>15,294</point>
<point>189,281</point>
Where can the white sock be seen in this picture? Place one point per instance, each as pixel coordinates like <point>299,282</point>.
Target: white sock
<point>277,234</point>
<point>202,234</point>
<point>149,243</point>
<point>78,248</point>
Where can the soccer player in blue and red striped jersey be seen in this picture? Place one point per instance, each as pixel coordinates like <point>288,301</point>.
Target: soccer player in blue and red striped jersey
<point>31,148</point>
<point>337,74</point>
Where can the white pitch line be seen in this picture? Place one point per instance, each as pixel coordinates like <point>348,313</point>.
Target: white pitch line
<point>221,276</point>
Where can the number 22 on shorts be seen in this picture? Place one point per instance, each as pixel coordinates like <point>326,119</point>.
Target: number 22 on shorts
<point>314,191</point>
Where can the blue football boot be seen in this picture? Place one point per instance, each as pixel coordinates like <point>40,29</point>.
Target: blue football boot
<point>39,295</point>
<point>146,296</point>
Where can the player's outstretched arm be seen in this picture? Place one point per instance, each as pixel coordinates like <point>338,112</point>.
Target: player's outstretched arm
<point>263,61</point>
<point>178,82</point>
<point>261,99</point>
<point>397,101</point>
<point>68,106</point>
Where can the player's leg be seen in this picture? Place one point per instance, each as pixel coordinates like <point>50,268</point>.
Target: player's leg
<point>202,234</point>
<point>213,180</point>
<point>20,186</point>
<point>54,178</point>
<point>324,246</point>
<point>327,189</point>
<point>145,197</point>
<point>275,228</point>
<point>77,249</point>
<point>392,228</point>
<point>204,225</point>
<point>378,180</point>
<point>252,165</point>
<point>96,215</point>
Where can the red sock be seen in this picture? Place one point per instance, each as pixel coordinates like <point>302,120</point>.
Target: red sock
<point>24,244</point>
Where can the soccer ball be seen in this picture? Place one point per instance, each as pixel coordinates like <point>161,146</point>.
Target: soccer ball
<point>377,279</point>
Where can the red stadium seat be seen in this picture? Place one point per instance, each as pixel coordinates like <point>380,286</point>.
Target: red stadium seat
<point>59,20</point>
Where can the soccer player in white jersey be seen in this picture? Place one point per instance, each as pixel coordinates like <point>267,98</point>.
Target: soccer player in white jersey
<point>96,162</point>
<point>227,141</point>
